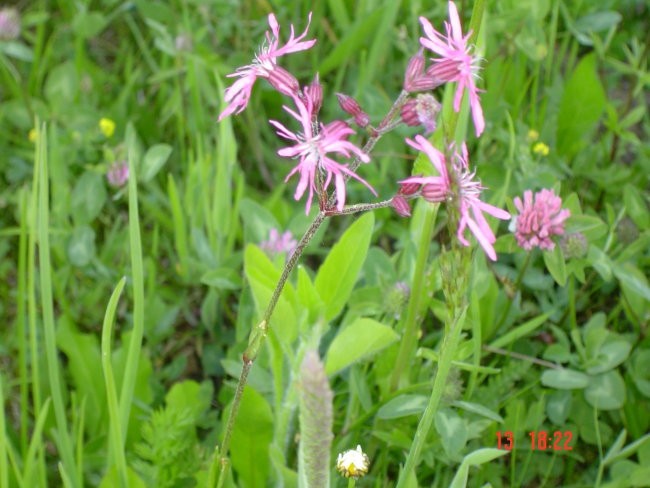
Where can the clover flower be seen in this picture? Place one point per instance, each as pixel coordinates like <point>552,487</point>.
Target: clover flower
<point>279,244</point>
<point>458,186</point>
<point>540,217</point>
<point>9,24</point>
<point>264,65</point>
<point>118,174</point>
<point>353,463</point>
<point>455,63</point>
<point>312,147</point>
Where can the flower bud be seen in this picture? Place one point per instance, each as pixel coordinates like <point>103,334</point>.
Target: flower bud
<point>401,206</point>
<point>409,188</point>
<point>444,70</point>
<point>283,81</point>
<point>415,78</point>
<point>314,95</point>
<point>352,107</point>
<point>574,245</point>
<point>353,463</point>
<point>421,110</point>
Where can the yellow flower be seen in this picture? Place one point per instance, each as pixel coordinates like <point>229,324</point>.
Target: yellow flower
<point>33,134</point>
<point>353,463</point>
<point>533,135</point>
<point>541,149</point>
<point>107,126</point>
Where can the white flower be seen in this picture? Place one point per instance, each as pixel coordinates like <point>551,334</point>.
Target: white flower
<point>353,463</point>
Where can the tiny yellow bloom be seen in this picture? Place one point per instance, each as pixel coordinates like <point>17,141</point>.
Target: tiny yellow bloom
<point>33,134</point>
<point>353,463</point>
<point>541,149</point>
<point>533,135</point>
<point>107,126</point>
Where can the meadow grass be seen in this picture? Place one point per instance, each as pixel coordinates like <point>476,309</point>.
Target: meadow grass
<point>128,307</point>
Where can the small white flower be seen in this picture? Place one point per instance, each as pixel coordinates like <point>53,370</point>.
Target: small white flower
<point>353,463</point>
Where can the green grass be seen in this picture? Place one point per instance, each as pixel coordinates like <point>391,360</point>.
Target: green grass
<point>126,310</point>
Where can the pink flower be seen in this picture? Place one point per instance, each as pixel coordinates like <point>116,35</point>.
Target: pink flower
<point>312,148</point>
<point>433,188</point>
<point>118,174</point>
<point>455,63</point>
<point>463,188</point>
<point>540,217</point>
<point>265,66</point>
<point>279,244</point>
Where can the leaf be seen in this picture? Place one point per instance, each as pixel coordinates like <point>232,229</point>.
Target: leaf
<point>355,40</point>
<point>476,458</point>
<point>88,197</point>
<point>81,246</point>
<point>338,274</point>
<point>360,339</point>
<point>610,355</point>
<point>564,379</point>
<point>263,277</point>
<point>154,159</point>
<point>222,279</point>
<point>191,396</point>
<point>556,265</point>
<point>85,367</point>
<point>251,440</point>
<point>478,409</point>
<point>590,226</point>
<point>402,406</point>
<point>452,430</point>
<point>520,331</point>
<point>558,406</point>
<point>606,391</point>
<point>582,104</point>
<point>636,207</point>
<point>257,221</point>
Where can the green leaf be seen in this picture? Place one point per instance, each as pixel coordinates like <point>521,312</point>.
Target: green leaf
<point>582,104</point>
<point>606,391</point>
<point>154,159</point>
<point>88,24</point>
<point>222,279</point>
<point>564,379</point>
<point>85,367</point>
<point>251,439</point>
<point>556,265</point>
<point>191,396</point>
<point>257,221</point>
<point>636,207</point>
<point>520,331</point>
<point>632,279</point>
<point>478,409</point>
<point>402,406</point>
<point>610,355</point>
<point>452,430</point>
<point>81,246</point>
<point>588,225</point>
<point>558,406</point>
<point>338,274</point>
<point>263,277</point>
<point>88,197</point>
<point>360,339</point>
<point>355,40</point>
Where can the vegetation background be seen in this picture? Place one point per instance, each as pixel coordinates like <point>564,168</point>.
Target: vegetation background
<point>95,386</point>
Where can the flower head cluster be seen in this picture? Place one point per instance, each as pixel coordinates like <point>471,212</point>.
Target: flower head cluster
<point>454,62</point>
<point>118,174</point>
<point>540,218</point>
<point>312,148</point>
<point>9,24</point>
<point>461,186</point>
<point>265,66</point>
<point>353,463</point>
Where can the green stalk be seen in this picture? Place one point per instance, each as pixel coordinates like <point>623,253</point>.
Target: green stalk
<point>135,345</point>
<point>447,352</point>
<point>64,444</point>
<point>4,459</point>
<point>115,427</point>
<point>410,327</point>
<point>21,322</point>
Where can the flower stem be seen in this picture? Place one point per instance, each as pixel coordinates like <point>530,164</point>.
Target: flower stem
<point>361,207</point>
<point>409,336</point>
<point>447,352</point>
<point>352,482</point>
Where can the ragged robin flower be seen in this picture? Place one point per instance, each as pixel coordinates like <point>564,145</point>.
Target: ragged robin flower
<point>455,63</point>
<point>264,65</point>
<point>312,147</point>
<point>458,186</point>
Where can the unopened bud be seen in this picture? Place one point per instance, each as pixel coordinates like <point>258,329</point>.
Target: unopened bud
<point>445,70</point>
<point>627,231</point>
<point>401,206</point>
<point>352,107</point>
<point>574,245</point>
<point>283,81</point>
<point>415,78</point>
<point>409,188</point>
<point>314,95</point>
<point>421,110</point>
